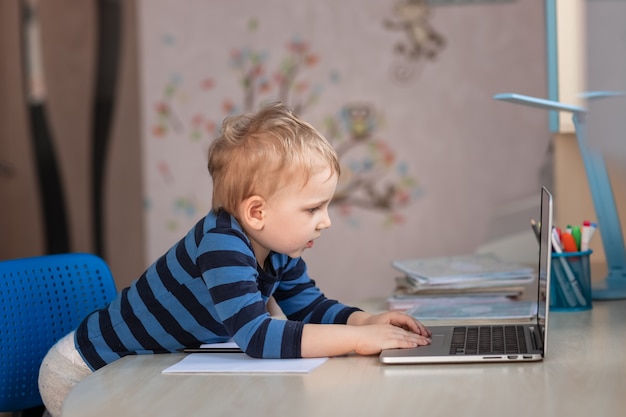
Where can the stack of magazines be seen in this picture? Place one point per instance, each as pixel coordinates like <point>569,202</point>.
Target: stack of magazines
<point>476,274</point>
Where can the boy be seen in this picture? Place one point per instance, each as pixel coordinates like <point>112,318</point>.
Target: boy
<point>273,179</point>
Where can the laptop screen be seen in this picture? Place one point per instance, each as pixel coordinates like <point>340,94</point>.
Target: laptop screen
<point>545,249</point>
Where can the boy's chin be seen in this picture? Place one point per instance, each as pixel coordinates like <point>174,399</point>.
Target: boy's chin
<point>296,254</point>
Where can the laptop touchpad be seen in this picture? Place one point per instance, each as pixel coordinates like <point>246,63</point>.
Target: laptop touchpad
<point>437,340</point>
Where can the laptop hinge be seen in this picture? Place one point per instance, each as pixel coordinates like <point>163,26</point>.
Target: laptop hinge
<point>536,338</point>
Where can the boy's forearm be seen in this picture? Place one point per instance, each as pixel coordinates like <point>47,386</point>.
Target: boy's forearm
<point>320,340</point>
<point>332,339</point>
<point>358,318</point>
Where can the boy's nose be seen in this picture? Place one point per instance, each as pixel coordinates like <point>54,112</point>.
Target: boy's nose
<point>325,223</point>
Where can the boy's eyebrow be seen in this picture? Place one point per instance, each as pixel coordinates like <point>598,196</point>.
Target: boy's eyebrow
<point>320,202</point>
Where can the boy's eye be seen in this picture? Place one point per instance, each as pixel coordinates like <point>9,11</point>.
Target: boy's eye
<point>313,210</point>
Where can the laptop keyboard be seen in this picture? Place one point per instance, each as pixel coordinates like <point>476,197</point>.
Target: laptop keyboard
<point>485,340</point>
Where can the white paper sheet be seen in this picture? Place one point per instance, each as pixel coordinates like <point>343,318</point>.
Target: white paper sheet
<point>242,363</point>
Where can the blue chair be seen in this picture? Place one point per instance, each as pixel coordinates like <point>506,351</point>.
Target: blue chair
<point>41,300</point>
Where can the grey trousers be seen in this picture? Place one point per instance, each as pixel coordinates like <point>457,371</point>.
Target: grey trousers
<point>60,371</point>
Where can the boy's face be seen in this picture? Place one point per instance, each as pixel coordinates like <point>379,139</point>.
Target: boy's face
<point>296,215</point>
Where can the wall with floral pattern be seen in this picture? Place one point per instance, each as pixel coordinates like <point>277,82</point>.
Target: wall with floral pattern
<point>403,89</point>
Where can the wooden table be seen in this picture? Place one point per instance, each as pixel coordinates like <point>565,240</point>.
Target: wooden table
<point>584,374</point>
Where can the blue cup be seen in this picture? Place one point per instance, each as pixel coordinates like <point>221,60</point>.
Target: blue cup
<point>571,281</point>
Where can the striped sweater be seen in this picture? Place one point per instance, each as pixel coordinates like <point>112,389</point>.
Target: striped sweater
<point>208,288</point>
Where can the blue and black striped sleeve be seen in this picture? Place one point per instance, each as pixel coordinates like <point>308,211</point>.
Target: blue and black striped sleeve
<point>300,299</point>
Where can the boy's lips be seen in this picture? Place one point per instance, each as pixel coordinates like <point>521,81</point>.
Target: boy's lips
<point>311,242</point>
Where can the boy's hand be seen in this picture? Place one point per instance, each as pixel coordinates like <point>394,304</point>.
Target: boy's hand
<point>365,334</point>
<point>373,338</point>
<point>395,318</point>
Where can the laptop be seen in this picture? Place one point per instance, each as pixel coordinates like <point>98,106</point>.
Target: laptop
<point>500,341</point>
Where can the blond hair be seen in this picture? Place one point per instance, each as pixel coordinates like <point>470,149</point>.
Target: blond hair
<point>258,153</point>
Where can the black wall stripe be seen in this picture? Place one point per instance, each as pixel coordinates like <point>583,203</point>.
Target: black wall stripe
<point>108,51</point>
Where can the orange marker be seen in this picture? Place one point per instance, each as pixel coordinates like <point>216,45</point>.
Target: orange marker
<point>568,242</point>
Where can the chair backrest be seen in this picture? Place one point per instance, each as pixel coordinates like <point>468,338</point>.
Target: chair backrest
<point>41,300</point>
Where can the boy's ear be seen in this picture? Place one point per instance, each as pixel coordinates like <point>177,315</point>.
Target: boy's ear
<point>253,212</point>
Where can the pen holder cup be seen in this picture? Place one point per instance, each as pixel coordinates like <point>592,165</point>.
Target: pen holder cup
<point>570,281</point>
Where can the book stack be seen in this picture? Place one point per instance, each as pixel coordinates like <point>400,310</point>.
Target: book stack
<point>465,275</point>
